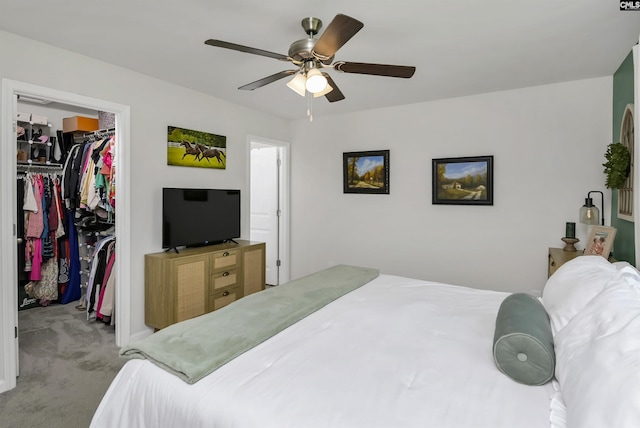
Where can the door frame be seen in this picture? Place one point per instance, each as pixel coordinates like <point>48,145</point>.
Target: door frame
<point>284,203</point>
<point>8,251</point>
<point>636,127</point>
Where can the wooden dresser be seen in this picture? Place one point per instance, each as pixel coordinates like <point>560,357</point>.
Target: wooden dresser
<point>179,286</point>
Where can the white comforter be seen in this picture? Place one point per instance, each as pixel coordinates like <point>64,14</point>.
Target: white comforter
<point>394,353</point>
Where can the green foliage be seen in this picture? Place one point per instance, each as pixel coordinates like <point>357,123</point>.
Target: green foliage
<point>175,135</point>
<point>175,156</point>
<point>617,166</point>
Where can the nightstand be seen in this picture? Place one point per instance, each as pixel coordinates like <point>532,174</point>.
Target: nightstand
<point>558,257</point>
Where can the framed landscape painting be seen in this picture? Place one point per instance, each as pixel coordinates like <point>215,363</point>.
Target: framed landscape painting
<point>462,181</point>
<point>366,172</point>
<point>186,147</point>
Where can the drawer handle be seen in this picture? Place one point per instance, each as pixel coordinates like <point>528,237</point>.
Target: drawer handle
<point>225,254</point>
<point>225,274</point>
<point>226,293</point>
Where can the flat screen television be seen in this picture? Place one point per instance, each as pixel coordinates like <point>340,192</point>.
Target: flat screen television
<point>196,217</point>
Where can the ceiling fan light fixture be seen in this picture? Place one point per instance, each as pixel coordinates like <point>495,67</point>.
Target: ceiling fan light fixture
<point>298,84</point>
<point>312,55</point>
<point>316,82</point>
<point>325,91</point>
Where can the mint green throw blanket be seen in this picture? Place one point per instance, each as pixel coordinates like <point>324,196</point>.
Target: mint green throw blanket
<point>194,348</point>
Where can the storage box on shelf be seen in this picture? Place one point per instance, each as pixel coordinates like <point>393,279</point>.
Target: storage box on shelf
<point>39,120</point>
<point>79,124</point>
<point>23,117</point>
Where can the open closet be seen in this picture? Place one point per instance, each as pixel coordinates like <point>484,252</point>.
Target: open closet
<point>55,105</point>
<point>66,211</point>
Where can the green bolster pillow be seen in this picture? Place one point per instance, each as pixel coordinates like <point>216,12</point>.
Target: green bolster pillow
<point>523,342</point>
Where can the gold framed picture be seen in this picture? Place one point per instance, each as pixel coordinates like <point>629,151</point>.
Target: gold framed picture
<point>600,241</point>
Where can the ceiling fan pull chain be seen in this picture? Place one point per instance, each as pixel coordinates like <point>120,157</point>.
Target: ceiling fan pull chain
<point>309,106</point>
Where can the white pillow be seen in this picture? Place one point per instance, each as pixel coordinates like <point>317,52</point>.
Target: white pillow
<point>598,359</point>
<point>573,285</point>
<point>628,269</point>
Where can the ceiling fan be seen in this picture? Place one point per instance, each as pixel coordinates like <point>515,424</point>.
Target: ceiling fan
<point>312,56</point>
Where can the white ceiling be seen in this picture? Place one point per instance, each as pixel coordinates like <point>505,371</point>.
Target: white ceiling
<point>459,48</point>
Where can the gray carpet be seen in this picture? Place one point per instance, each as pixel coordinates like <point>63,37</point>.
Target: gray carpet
<point>66,366</point>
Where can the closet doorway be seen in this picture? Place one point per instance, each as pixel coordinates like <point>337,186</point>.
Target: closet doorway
<point>9,341</point>
<point>269,204</point>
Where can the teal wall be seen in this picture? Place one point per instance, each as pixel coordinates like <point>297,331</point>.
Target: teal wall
<point>624,245</point>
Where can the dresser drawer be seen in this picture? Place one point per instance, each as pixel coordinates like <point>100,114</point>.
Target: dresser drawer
<point>225,296</point>
<point>225,278</point>
<point>225,260</point>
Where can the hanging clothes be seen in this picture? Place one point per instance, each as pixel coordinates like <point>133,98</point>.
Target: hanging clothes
<point>21,188</point>
<point>45,289</point>
<point>89,175</point>
<point>72,291</point>
<point>48,251</point>
<point>107,293</point>
<point>87,194</point>
<point>34,228</point>
<point>66,185</point>
<point>56,212</point>
<point>99,265</point>
<point>40,223</point>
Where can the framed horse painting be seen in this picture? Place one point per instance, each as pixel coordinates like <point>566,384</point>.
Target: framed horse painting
<point>186,147</point>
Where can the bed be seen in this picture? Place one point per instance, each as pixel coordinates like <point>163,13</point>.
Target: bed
<point>398,352</point>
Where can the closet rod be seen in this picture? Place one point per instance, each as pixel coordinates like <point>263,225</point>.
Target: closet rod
<point>106,131</point>
<point>27,167</point>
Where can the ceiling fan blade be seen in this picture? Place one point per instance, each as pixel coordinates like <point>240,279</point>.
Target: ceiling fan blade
<point>235,47</point>
<point>339,31</point>
<point>266,80</point>
<point>403,71</point>
<point>335,94</point>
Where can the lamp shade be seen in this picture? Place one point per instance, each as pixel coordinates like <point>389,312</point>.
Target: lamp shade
<point>298,84</point>
<point>325,91</point>
<point>589,213</point>
<point>316,82</point>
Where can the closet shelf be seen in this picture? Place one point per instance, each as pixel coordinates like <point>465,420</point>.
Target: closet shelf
<point>24,165</point>
<point>38,143</point>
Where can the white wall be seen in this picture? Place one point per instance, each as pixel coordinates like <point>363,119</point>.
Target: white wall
<point>548,145</point>
<point>154,105</point>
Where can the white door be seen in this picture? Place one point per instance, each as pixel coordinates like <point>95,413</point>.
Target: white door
<point>265,207</point>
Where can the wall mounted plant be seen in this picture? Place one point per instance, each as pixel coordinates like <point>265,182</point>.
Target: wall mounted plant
<point>616,168</point>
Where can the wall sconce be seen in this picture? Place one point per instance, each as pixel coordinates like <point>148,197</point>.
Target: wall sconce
<point>589,213</point>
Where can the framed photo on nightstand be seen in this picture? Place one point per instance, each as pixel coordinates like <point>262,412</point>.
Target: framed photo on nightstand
<point>600,241</point>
